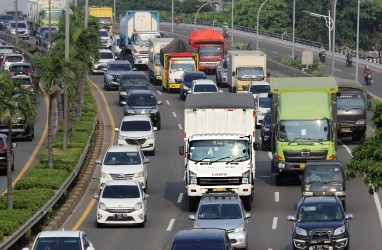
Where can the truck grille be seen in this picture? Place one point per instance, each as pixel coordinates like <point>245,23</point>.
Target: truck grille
<point>219,181</point>
<point>295,156</point>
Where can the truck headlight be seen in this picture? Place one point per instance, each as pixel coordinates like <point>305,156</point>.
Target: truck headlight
<point>245,177</point>
<point>340,193</point>
<point>102,206</point>
<point>193,179</point>
<point>361,122</point>
<point>259,113</point>
<point>307,193</point>
<point>340,230</point>
<point>139,174</point>
<point>301,231</point>
<point>240,88</point>
<point>138,206</point>
<point>109,76</point>
<point>171,80</point>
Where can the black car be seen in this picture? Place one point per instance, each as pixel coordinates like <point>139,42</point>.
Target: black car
<point>3,154</point>
<point>129,81</point>
<point>143,102</point>
<point>324,178</point>
<point>187,79</point>
<point>4,20</point>
<point>40,31</point>
<point>320,223</point>
<point>201,239</point>
<point>266,131</point>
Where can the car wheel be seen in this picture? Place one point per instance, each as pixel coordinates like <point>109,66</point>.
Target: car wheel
<point>217,81</point>
<point>158,125</point>
<point>106,87</point>
<point>247,202</point>
<point>192,204</point>
<point>99,225</point>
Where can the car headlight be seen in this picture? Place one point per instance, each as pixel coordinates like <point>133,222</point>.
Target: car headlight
<point>122,93</point>
<point>239,229</point>
<point>307,193</point>
<point>102,206</point>
<point>13,32</point>
<point>138,206</point>
<point>340,230</point>
<point>185,87</point>
<point>361,122</point>
<point>121,137</point>
<point>266,129</point>
<point>139,174</point>
<point>154,111</point>
<point>240,88</point>
<point>129,111</point>
<point>104,175</point>
<point>301,231</point>
<point>109,76</point>
<point>259,113</point>
<point>150,136</point>
<point>193,176</point>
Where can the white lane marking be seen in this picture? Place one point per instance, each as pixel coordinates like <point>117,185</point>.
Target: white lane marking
<point>159,92</point>
<point>174,114</point>
<point>353,74</point>
<point>379,208</point>
<point>338,70</point>
<point>346,148</point>
<point>274,222</point>
<point>168,103</point>
<point>270,155</point>
<point>170,225</point>
<point>180,197</point>
<point>263,176</point>
<point>274,52</point>
<point>259,137</point>
<point>180,126</point>
<point>277,196</point>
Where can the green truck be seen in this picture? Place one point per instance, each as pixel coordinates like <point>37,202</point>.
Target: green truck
<point>304,117</point>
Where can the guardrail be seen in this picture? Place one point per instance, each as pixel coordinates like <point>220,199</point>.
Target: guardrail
<point>12,239</point>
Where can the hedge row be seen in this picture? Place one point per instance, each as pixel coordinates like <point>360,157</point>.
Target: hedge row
<point>38,186</point>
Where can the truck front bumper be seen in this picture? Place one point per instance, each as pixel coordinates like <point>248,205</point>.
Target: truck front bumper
<point>350,129</point>
<point>292,168</point>
<point>198,191</point>
<point>208,65</point>
<point>141,60</point>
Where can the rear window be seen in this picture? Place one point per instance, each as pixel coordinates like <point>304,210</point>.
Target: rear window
<point>14,58</point>
<point>24,81</point>
<point>72,243</point>
<point>8,49</point>
<point>205,88</point>
<point>198,244</point>
<point>6,18</point>
<point>190,77</point>
<point>106,55</point>
<point>20,68</point>
<point>120,191</point>
<point>256,89</point>
<point>144,100</point>
<point>136,126</point>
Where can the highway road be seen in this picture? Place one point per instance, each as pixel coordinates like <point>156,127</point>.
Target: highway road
<point>167,205</point>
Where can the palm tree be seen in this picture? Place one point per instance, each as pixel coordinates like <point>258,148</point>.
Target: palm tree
<point>15,100</point>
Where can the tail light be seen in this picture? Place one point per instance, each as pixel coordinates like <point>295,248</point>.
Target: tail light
<point>29,72</point>
<point>30,87</point>
<point>13,73</point>
<point>4,147</point>
<point>5,62</point>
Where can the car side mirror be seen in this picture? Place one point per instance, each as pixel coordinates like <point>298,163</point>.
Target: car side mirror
<point>247,215</point>
<point>160,102</point>
<point>291,218</point>
<point>116,129</point>
<point>98,161</point>
<point>155,128</point>
<point>14,144</point>
<point>96,196</point>
<point>90,248</point>
<point>220,91</point>
<point>123,103</point>
<point>256,146</point>
<point>191,217</point>
<point>146,196</point>
<point>233,73</point>
<point>181,150</point>
<point>348,217</point>
<point>134,69</point>
<point>189,91</point>
<point>146,161</point>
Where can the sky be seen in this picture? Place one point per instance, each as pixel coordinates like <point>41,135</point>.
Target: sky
<point>10,5</point>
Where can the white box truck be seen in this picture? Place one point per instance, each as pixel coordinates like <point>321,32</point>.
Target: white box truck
<point>155,44</point>
<point>244,67</point>
<point>219,147</point>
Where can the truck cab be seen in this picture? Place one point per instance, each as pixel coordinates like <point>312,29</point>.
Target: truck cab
<point>138,45</point>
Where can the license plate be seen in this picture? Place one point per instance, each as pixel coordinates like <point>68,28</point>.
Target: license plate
<point>219,189</point>
<point>302,165</point>
<point>345,129</point>
<point>320,247</point>
<point>120,216</point>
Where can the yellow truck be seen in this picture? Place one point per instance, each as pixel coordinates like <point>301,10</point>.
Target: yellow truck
<point>104,16</point>
<point>244,67</point>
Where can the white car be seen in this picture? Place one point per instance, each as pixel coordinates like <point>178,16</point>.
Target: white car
<point>22,29</point>
<point>104,38</point>
<point>138,130</point>
<point>105,56</point>
<point>115,46</point>
<point>122,202</point>
<point>124,163</point>
<point>259,87</point>
<point>202,86</point>
<point>62,239</point>
<point>263,103</point>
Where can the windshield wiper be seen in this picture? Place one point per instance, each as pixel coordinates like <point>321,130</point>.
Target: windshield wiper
<point>353,108</point>
<point>222,158</point>
<point>310,182</point>
<point>234,159</point>
<point>333,181</point>
<point>205,158</point>
<point>308,139</point>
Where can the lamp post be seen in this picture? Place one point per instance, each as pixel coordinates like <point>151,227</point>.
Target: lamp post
<point>357,42</point>
<point>334,34</point>
<point>196,15</point>
<point>294,25</point>
<point>257,25</point>
<point>329,23</point>
<point>232,23</point>
<point>86,13</point>
<point>66,98</point>
<point>213,22</point>
<point>172,16</point>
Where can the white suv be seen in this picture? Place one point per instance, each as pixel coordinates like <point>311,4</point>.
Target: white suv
<point>263,103</point>
<point>105,56</point>
<point>122,202</point>
<point>137,130</point>
<point>202,86</point>
<point>124,163</point>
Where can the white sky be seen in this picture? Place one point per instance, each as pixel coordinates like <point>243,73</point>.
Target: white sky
<point>10,5</point>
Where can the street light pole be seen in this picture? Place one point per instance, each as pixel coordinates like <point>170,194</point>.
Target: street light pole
<point>328,20</point>
<point>232,23</point>
<point>330,40</point>
<point>66,104</point>
<point>357,46</point>
<point>172,16</point>
<point>257,25</point>
<point>86,13</point>
<point>294,25</point>
<point>334,34</point>
<point>196,15</point>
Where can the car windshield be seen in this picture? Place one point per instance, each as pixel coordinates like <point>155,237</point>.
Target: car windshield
<point>225,64</point>
<point>321,173</point>
<point>182,66</point>
<point>20,25</point>
<point>14,58</point>
<point>122,158</point>
<point>53,29</point>
<point>265,102</point>
<point>268,118</point>
<point>119,66</point>
<point>259,88</point>
<point>219,150</point>
<point>205,88</point>
<point>133,82</point>
<point>250,73</point>
<point>190,77</point>
<point>350,100</point>
<point>199,245</point>
<point>103,33</point>
<point>219,212</point>
<point>320,212</point>
<point>57,243</point>
<point>120,192</point>
<point>136,126</point>
<point>210,50</point>
<point>145,100</point>
<point>106,55</point>
<point>304,130</point>
<point>45,34</point>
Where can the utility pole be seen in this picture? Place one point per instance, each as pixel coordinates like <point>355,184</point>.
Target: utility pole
<point>17,22</point>
<point>66,104</point>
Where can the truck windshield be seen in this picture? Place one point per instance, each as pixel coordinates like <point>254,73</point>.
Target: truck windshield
<point>103,33</point>
<point>104,20</point>
<point>210,50</point>
<point>298,131</point>
<point>250,73</point>
<point>182,66</point>
<point>157,60</point>
<point>219,150</point>
<point>143,39</point>
<point>55,14</point>
<point>349,101</point>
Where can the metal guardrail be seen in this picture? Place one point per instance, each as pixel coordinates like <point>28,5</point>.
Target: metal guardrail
<point>12,239</point>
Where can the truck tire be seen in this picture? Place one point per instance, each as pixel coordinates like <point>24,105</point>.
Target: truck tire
<point>247,202</point>
<point>278,179</point>
<point>192,204</point>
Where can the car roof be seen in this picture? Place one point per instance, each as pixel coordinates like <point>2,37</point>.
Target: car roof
<point>259,83</point>
<point>133,73</point>
<point>104,50</point>
<point>122,182</point>
<point>200,234</point>
<point>220,198</point>
<point>13,54</point>
<point>121,62</point>
<point>20,64</point>
<point>194,73</point>
<point>123,148</point>
<point>59,233</point>
<point>141,92</point>
<point>21,76</point>
<point>18,21</point>
<point>136,118</point>
<point>319,199</point>
<point>204,82</point>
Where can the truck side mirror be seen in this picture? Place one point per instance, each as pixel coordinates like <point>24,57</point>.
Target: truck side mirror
<point>269,94</point>
<point>268,74</point>
<point>181,150</point>
<point>256,146</point>
<point>233,73</point>
<point>338,94</point>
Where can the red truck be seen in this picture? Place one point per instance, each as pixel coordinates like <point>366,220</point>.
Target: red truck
<point>210,44</point>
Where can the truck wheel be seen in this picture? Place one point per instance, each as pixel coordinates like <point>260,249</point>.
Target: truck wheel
<point>158,125</point>
<point>278,178</point>
<point>234,89</point>
<point>247,202</point>
<point>192,204</point>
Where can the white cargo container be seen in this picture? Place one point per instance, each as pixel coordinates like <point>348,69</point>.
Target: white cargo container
<point>219,130</point>
<point>245,66</point>
<point>155,44</point>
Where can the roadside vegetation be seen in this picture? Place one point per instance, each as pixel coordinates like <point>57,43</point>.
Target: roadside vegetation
<point>57,162</point>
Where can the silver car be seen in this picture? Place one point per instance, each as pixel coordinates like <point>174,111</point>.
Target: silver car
<point>113,71</point>
<point>221,72</point>
<point>223,210</point>
<point>22,29</point>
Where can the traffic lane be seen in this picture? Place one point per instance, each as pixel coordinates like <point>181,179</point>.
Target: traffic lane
<point>27,153</point>
<point>163,206</point>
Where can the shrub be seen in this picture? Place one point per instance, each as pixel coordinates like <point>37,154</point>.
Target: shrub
<point>32,199</point>
<point>11,220</point>
<point>43,178</point>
